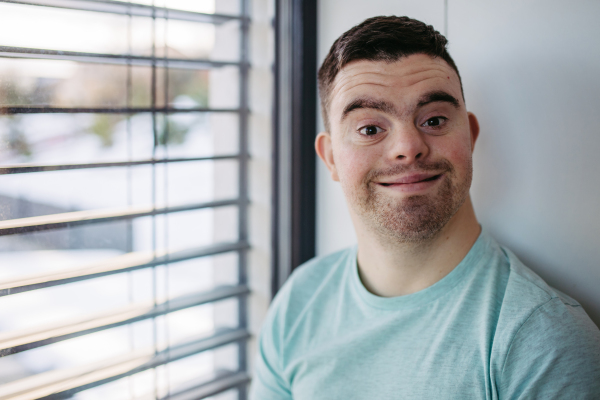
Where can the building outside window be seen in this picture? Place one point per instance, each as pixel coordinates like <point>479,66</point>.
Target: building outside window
<point>134,160</point>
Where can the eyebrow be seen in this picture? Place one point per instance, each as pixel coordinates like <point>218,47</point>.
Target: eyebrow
<point>380,105</point>
<point>388,107</point>
<point>436,96</point>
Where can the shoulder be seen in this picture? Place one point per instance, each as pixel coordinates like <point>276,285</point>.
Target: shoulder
<point>318,277</point>
<point>526,294</point>
<point>530,302</point>
<point>555,353</point>
<point>319,267</point>
<point>295,299</point>
<point>315,275</point>
<point>545,342</point>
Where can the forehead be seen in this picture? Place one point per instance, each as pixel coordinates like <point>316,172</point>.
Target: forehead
<point>401,81</point>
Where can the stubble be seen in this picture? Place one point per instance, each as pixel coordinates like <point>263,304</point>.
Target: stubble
<point>414,219</point>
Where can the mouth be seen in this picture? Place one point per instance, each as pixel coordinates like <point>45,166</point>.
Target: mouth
<point>412,179</point>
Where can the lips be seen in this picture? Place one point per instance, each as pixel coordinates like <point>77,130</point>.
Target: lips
<point>410,179</point>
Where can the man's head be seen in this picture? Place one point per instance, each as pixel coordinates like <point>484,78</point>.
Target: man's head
<point>399,138</point>
<point>379,39</point>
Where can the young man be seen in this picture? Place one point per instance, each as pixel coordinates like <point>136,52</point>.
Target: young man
<point>426,306</point>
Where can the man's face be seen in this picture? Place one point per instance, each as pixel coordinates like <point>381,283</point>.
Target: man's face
<point>401,144</point>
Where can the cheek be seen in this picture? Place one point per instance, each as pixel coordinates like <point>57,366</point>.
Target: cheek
<point>462,160</point>
<point>457,152</point>
<point>353,164</point>
<point>460,154</point>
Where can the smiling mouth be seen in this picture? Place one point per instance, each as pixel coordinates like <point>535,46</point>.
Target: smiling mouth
<point>433,178</point>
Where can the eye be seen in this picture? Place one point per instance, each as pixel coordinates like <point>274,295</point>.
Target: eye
<point>370,130</point>
<point>435,121</point>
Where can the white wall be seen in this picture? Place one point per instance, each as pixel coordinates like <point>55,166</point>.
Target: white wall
<point>530,73</point>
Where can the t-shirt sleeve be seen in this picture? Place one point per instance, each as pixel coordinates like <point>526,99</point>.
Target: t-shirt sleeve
<point>554,355</point>
<point>268,381</point>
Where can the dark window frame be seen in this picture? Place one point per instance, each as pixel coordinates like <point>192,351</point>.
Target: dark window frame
<point>294,128</point>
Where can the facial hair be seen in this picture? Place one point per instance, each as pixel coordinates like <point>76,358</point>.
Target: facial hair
<point>413,219</point>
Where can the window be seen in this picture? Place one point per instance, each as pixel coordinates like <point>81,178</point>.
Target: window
<point>124,199</point>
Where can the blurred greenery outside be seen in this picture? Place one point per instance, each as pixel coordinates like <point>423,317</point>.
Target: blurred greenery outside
<point>102,86</point>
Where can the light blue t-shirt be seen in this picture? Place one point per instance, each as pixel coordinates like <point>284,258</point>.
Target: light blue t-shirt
<point>491,329</point>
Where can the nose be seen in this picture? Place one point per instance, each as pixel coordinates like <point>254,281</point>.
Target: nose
<point>408,144</point>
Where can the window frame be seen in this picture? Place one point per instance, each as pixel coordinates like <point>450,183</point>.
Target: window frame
<point>240,335</point>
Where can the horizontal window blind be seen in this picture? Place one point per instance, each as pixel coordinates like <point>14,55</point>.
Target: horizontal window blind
<point>123,199</point>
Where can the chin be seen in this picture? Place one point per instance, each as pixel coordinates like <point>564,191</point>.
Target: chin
<point>412,224</point>
<point>414,219</point>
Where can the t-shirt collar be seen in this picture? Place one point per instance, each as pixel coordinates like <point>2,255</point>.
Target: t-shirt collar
<point>478,255</point>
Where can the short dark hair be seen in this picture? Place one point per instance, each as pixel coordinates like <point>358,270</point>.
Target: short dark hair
<point>380,39</point>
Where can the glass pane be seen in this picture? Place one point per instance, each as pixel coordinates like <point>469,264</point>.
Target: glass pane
<point>105,33</point>
<point>190,40</point>
<point>228,7</point>
<point>108,235</point>
<point>73,30</point>
<point>71,137</point>
<point>179,375</point>
<point>186,88</point>
<point>55,305</point>
<point>176,231</point>
<point>216,88</point>
<point>79,351</point>
<point>224,84</point>
<point>201,6</point>
<point>58,83</point>
<point>195,134</point>
<point>201,274</point>
<point>196,228</point>
<point>231,394</point>
<point>225,224</point>
<point>193,182</point>
<point>92,138</point>
<point>35,194</point>
<point>226,45</point>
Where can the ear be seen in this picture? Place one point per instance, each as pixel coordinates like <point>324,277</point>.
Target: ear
<point>324,150</point>
<point>474,128</point>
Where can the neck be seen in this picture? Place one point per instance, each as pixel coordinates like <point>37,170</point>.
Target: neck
<point>390,269</point>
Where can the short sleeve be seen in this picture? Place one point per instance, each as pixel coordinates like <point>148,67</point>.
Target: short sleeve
<point>268,382</point>
<point>554,355</point>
